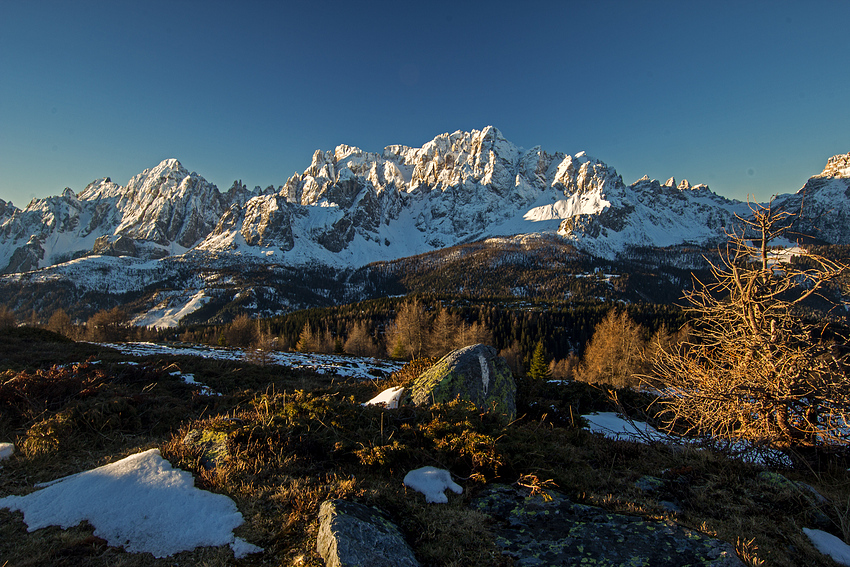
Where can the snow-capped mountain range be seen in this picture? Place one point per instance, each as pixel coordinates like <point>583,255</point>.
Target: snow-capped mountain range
<point>351,207</point>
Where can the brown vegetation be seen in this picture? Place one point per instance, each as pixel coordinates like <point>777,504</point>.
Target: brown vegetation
<point>755,369</point>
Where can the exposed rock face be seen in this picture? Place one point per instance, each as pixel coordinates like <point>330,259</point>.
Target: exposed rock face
<point>354,535</point>
<point>121,246</point>
<point>559,532</point>
<point>822,205</point>
<point>474,373</point>
<point>25,258</point>
<point>837,166</point>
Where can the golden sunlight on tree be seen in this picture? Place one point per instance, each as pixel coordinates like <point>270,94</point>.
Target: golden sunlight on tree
<point>615,352</point>
<point>754,368</point>
<point>360,341</point>
<point>407,336</point>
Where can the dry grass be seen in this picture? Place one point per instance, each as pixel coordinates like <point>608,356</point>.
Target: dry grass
<point>296,439</point>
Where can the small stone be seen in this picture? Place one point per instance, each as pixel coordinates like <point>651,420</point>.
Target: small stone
<point>649,483</point>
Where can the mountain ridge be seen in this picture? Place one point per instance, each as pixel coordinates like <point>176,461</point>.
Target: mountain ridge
<point>350,208</point>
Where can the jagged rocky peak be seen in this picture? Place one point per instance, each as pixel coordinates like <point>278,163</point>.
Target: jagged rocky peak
<point>837,166</point>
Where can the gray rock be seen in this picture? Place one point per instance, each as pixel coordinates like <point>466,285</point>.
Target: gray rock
<point>352,534</point>
<point>537,532</point>
<point>474,373</point>
<point>649,483</point>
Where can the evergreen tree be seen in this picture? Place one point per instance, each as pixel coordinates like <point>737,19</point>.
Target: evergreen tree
<point>537,368</point>
<point>60,323</point>
<point>407,336</point>
<point>360,342</point>
<point>308,340</point>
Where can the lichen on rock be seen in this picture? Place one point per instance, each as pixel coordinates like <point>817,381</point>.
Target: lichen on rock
<point>555,531</point>
<point>474,373</point>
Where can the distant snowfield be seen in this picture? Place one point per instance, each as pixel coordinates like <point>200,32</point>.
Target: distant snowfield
<point>344,366</point>
<point>167,314</point>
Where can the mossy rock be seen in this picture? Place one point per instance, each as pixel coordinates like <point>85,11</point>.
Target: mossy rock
<point>538,531</point>
<point>475,374</point>
<point>211,443</point>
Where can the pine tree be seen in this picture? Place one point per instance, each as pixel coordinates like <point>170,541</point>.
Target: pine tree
<point>308,340</point>
<point>407,335</point>
<point>444,336</point>
<point>60,323</point>
<point>538,369</point>
<point>360,342</point>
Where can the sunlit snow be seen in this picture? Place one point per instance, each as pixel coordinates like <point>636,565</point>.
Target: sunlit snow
<point>432,482</point>
<point>388,398</point>
<point>169,312</point>
<point>344,366</point>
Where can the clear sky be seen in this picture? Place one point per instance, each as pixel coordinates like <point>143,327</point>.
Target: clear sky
<point>746,96</point>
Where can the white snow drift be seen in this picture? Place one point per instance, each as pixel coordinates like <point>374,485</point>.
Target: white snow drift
<point>139,503</point>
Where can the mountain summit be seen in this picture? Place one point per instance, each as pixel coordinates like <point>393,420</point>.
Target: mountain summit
<point>351,207</point>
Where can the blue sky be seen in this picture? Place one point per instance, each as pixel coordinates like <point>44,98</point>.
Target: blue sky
<point>748,97</point>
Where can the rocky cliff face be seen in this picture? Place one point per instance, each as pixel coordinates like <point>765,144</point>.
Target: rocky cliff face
<point>362,206</point>
<point>164,209</point>
<point>351,207</point>
<point>822,205</point>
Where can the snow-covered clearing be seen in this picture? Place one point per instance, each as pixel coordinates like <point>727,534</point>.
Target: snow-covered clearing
<point>343,366</point>
<point>139,503</point>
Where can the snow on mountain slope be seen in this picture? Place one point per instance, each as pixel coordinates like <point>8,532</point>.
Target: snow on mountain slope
<point>823,203</point>
<point>161,211</point>
<point>351,207</point>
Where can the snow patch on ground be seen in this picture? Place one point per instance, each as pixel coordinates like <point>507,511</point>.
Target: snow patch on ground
<point>139,503</point>
<point>203,389</point>
<point>613,426</point>
<point>358,368</point>
<point>618,428</point>
<point>6,450</point>
<point>432,482</point>
<point>389,398</point>
<point>830,545</point>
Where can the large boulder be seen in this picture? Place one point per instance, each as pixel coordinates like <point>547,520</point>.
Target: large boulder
<point>474,373</point>
<point>352,534</point>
